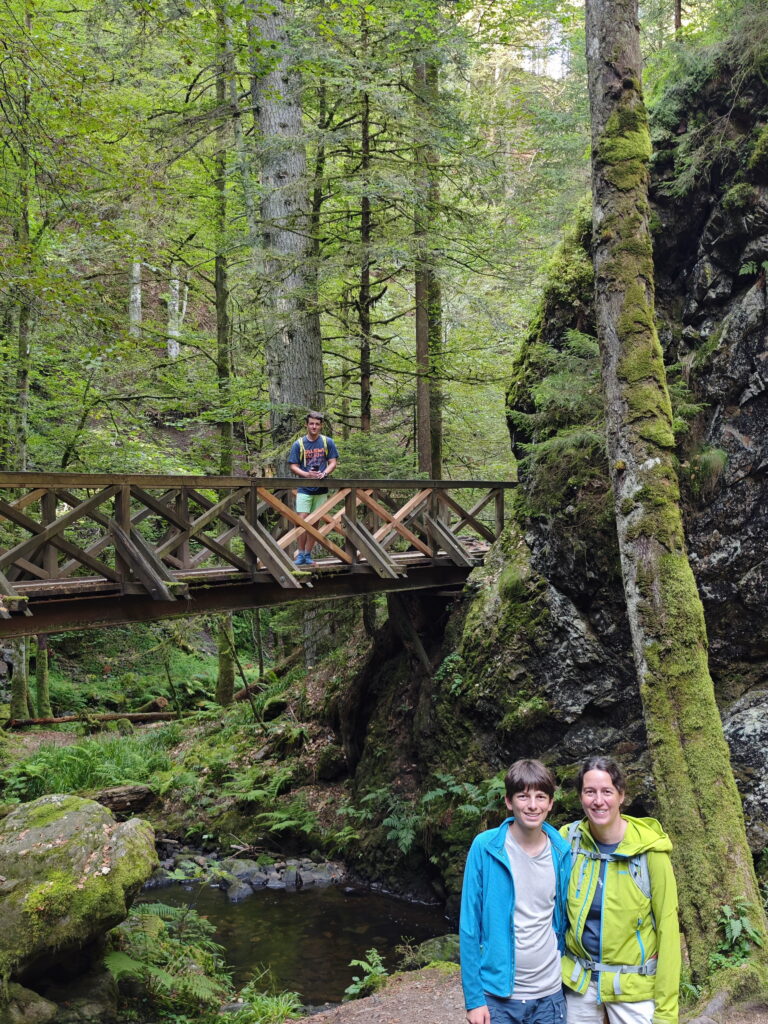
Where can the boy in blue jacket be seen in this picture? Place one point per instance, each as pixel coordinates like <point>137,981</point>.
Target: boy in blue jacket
<point>513,915</point>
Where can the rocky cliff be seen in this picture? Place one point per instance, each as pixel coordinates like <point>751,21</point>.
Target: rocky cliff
<point>536,660</point>
<point>567,668</point>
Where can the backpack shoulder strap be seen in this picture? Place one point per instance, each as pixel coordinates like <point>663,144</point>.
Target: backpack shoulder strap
<point>574,840</point>
<point>324,439</point>
<point>302,451</point>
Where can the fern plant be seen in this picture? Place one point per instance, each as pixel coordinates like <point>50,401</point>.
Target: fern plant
<point>171,953</point>
<point>371,980</point>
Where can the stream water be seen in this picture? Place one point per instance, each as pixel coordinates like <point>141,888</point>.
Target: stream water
<point>307,938</point>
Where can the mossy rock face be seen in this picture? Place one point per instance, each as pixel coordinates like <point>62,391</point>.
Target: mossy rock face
<point>71,872</point>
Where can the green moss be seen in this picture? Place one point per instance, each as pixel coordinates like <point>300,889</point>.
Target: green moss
<point>661,519</point>
<point>758,158</point>
<point>42,813</point>
<point>739,198</point>
<point>625,148</point>
<point>705,351</point>
<point>525,712</point>
<point>513,582</point>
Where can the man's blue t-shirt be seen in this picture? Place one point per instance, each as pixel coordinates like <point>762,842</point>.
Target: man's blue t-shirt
<point>314,458</point>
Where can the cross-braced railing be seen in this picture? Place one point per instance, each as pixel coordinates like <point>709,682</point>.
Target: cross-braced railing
<point>168,538</point>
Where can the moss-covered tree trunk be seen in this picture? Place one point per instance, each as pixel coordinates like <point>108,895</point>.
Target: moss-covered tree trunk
<point>19,680</point>
<point>225,679</point>
<point>42,691</point>
<point>699,801</point>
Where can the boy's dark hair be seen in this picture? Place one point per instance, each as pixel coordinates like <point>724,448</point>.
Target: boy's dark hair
<point>602,764</point>
<point>528,774</point>
<point>312,415</point>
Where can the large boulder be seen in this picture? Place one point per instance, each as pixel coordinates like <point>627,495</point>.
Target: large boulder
<point>68,873</point>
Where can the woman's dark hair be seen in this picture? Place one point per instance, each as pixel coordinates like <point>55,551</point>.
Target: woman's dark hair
<point>602,764</point>
<point>529,774</point>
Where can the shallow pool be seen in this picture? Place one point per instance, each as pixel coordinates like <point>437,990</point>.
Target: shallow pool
<point>307,938</point>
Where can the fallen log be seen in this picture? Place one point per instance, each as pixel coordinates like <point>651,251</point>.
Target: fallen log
<point>154,716</point>
<point>126,799</point>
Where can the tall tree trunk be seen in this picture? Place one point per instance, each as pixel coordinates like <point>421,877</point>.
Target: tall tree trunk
<point>364,290</point>
<point>177,308</point>
<point>24,241</point>
<point>226,670</point>
<point>42,691</point>
<point>293,348</point>
<point>429,327</point>
<point>697,793</point>
<point>19,680</point>
<point>134,301</point>
<point>225,679</point>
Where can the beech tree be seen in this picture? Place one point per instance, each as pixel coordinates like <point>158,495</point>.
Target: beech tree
<point>697,793</point>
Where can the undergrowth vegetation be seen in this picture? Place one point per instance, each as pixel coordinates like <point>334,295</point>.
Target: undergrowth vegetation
<point>101,761</point>
<point>168,964</point>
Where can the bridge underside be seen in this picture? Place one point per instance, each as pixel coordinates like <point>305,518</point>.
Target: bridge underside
<point>104,605</point>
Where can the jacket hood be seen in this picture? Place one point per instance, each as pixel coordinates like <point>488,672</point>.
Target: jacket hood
<point>642,836</point>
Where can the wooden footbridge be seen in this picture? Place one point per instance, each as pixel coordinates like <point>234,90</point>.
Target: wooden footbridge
<point>80,551</point>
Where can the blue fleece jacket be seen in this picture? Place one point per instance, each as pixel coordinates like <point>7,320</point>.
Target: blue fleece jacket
<point>486,927</point>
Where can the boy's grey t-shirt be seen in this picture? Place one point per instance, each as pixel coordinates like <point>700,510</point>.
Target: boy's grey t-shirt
<point>537,958</point>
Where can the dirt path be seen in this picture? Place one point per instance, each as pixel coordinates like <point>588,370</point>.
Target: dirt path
<point>433,996</point>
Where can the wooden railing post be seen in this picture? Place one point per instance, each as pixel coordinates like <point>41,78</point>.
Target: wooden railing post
<point>123,519</point>
<point>50,560</point>
<point>498,495</point>
<point>182,510</point>
<point>434,512</point>
<point>350,509</point>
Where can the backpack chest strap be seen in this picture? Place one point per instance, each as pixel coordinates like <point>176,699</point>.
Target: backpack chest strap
<point>646,969</point>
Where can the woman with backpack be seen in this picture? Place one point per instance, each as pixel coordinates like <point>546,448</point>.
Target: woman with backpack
<point>623,939</point>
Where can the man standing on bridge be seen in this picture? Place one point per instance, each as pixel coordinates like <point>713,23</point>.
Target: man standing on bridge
<point>312,457</point>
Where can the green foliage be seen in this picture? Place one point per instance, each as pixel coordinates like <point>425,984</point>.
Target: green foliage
<point>265,1008</point>
<point>567,453</point>
<point>739,198</point>
<point>751,267</point>
<point>170,953</point>
<point>703,470</point>
<point>371,980</point>
<point>450,672</point>
<point>95,763</point>
<point>404,821</point>
<point>684,406</point>
<point>292,818</point>
<point>739,937</point>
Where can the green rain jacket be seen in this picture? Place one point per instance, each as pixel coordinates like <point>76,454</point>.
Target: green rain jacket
<point>634,929</point>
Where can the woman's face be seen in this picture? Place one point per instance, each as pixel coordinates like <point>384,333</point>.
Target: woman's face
<point>600,799</point>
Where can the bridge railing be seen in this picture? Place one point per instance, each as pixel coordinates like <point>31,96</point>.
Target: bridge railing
<point>77,535</point>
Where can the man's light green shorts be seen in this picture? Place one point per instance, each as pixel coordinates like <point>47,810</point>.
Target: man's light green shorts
<point>306,503</point>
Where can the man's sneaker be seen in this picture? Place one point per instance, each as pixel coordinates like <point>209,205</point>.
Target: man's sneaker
<point>300,559</point>
<point>308,559</point>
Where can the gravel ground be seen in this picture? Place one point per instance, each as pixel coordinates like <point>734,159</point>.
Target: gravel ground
<point>433,996</point>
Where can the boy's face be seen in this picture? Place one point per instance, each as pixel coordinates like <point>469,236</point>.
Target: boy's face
<point>313,427</point>
<point>530,808</point>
